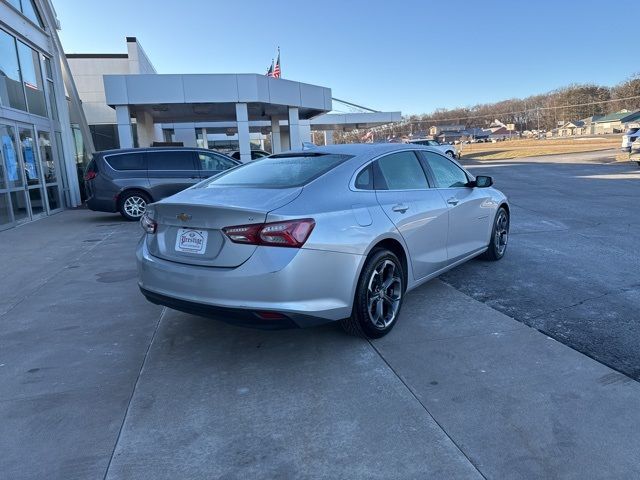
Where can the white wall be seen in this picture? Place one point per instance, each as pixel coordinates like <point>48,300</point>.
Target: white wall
<point>87,75</point>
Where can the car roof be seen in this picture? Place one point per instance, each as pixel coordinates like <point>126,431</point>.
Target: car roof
<point>152,149</point>
<point>365,149</point>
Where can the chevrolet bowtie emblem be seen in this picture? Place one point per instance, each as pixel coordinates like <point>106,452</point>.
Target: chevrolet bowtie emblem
<point>183,217</point>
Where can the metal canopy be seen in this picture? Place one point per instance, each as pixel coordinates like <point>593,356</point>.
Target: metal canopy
<point>212,97</point>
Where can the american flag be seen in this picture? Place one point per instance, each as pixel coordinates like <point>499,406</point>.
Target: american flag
<point>270,70</point>
<point>276,70</point>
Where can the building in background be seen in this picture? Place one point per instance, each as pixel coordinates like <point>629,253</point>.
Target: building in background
<point>38,103</point>
<point>127,103</point>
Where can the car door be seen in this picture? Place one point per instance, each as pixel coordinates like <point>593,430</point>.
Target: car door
<point>213,163</point>
<point>417,210</point>
<point>470,209</point>
<point>171,171</point>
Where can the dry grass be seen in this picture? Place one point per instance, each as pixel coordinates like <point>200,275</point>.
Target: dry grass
<point>533,148</point>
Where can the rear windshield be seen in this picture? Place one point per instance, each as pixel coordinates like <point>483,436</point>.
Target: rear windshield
<point>278,171</point>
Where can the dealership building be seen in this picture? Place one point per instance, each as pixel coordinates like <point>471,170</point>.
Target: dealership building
<point>38,104</point>
<point>128,104</point>
<point>57,109</point>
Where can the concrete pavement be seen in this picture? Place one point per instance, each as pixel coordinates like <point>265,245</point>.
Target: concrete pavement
<point>97,383</point>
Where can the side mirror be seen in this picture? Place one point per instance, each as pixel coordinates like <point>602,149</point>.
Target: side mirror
<point>483,181</point>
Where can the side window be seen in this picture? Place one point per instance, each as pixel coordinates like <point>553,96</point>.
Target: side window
<point>171,160</point>
<point>210,161</point>
<point>127,161</point>
<point>447,174</point>
<point>401,171</point>
<point>364,180</point>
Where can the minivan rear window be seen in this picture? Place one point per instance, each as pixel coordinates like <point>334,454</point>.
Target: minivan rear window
<point>278,171</point>
<point>127,161</point>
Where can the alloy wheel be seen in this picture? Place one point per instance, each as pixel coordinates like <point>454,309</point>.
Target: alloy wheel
<point>502,232</point>
<point>135,206</point>
<point>384,294</point>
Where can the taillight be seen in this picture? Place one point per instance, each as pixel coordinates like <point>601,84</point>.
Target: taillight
<point>148,224</point>
<point>90,175</point>
<point>292,233</point>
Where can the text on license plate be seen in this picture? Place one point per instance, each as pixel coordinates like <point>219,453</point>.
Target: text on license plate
<point>191,241</point>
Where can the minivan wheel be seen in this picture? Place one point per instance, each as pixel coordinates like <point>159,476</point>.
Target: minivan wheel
<point>499,236</point>
<point>133,205</point>
<point>378,297</point>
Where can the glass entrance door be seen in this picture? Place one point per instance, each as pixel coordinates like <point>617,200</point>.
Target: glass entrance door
<point>14,206</point>
<point>50,171</point>
<point>32,172</point>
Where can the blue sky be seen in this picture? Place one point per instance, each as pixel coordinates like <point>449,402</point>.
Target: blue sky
<point>413,56</point>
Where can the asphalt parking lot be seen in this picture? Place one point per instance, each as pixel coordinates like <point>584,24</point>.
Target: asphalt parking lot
<point>573,268</point>
<point>97,383</point>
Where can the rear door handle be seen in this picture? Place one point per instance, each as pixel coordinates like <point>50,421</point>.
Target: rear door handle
<point>400,208</point>
<point>453,201</point>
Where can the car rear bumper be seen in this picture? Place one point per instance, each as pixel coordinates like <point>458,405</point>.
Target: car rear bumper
<point>102,205</point>
<point>305,287</point>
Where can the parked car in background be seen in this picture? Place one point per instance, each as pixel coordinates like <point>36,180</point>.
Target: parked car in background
<point>127,180</point>
<point>448,150</point>
<point>340,232</point>
<point>631,139</point>
<point>255,154</point>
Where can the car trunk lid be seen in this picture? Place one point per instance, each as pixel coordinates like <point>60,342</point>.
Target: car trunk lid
<point>190,223</point>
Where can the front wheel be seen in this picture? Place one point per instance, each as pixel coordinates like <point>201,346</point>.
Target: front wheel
<point>499,236</point>
<point>450,154</point>
<point>378,296</point>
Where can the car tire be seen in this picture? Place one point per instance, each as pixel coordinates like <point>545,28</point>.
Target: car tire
<point>376,308</point>
<point>133,204</point>
<point>499,236</point>
<point>450,154</point>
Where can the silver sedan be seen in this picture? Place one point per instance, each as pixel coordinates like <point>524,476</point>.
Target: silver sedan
<point>335,233</point>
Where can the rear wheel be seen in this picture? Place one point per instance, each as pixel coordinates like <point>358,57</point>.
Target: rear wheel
<point>133,205</point>
<point>450,154</point>
<point>378,296</point>
<point>499,236</point>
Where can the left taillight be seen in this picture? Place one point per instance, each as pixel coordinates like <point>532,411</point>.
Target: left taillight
<point>292,233</point>
<point>148,224</point>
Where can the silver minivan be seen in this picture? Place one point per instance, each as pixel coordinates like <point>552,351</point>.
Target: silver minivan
<point>127,180</point>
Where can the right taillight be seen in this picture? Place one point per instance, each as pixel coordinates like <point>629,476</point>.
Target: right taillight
<point>90,175</point>
<point>291,233</point>
<point>148,224</point>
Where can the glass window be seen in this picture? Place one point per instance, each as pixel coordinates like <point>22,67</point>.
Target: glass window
<point>10,157</point>
<point>401,171</point>
<point>364,180</point>
<point>280,171</point>
<point>19,204</point>
<point>36,201</point>
<point>46,156</point>
<point>171,160</point>
<point>53,197</point>
<point>30,11</point>
<point>127,161</point>
<point>211,161</point>
<point>447,174</point>
<point>5,211</point>
<point>32,79</point>
<point>11,91</point>
<point>29,155</point>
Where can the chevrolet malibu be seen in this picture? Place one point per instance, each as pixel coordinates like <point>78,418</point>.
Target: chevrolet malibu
<point>335,233</point>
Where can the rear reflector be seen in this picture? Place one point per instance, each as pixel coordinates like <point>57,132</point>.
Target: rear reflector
<point>292,233</point>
